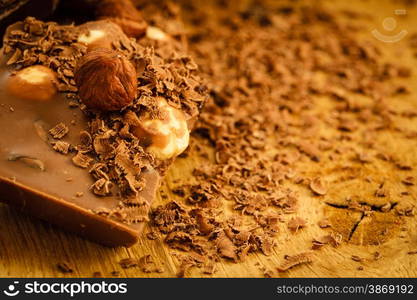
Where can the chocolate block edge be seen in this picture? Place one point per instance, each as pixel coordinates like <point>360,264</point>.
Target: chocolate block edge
<point>71,217</point>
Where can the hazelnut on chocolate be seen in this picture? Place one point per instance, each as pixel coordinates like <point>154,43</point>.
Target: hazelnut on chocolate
<point>101,34</point>
<point>164,137</point>
<point>154,33</point>
<point>106,80</point>
<point>34,83</point>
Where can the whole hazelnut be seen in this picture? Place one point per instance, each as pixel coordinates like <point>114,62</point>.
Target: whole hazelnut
<point>106,80</point>
<point>124,14</point>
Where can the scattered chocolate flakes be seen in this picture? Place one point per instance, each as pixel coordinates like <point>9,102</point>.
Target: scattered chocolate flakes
<point>186,263</point>
<point>409,180</point>
<point>127,263</point>
<point>64,267</point>
<point>152,235</point>
<point>225,246</point>
<point>296,223</point>
<point>263,94</point>
<point>59,131</point>
<point>147,265</point>
<point>403,166</point>
<point>295,260</point>
<point>405,209</point>
<point>332,239</point>
<point>209,269</point>
<point>102,187</point>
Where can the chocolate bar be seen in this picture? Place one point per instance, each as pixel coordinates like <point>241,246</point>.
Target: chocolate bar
<point>91,121</point>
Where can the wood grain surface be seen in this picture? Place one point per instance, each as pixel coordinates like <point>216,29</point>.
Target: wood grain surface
<point>29,247</point>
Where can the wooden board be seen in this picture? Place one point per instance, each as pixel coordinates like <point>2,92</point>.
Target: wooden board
<point>29,247</point>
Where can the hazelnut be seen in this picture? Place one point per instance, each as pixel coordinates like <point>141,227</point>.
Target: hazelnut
<point>124,14</point>
<point>101,34</point>
<point>35,83</point>
<point>106,80</point>
<point>154,33</point>
<point>164,137</point>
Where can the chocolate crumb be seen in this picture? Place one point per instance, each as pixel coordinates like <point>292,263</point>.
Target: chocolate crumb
<point>147,264</point>
<point>64,267</point>
<point>356,258</point>
<point>318,186</point>
<point>152,235</point>
<point>209,269</point>
<point>296,223</point>
<point>268,274</point>
<point>324,223</point>
<point>127,263</point>
<point>115,273</point>
<point>376,255</point>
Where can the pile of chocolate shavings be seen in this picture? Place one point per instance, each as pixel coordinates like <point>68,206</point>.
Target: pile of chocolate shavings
<point>32,42</point>
<point>107,150</point>
<point>267,65</point>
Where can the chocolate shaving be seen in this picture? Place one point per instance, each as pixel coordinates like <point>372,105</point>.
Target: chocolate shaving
<point>59,131</point>
<point>225,246</point>
<point>332,239</point>
<point>81,160</point>
<point>147,265</point>
<point>295,260</point>
<point>127,263</point>
<point>318,186</point>
<point>61,147</point>
<point>296,223</point>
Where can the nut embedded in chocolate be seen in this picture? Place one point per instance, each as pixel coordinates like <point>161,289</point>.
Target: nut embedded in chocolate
<point>165,138</point>
<point>106,80</point>
<point>102,34</point>
<point>34,83</point>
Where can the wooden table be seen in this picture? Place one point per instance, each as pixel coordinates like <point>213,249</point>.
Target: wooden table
<point>29,247</point>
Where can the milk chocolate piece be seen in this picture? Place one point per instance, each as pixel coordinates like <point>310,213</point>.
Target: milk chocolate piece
<point>60,162</point>
<point>44,182</point>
